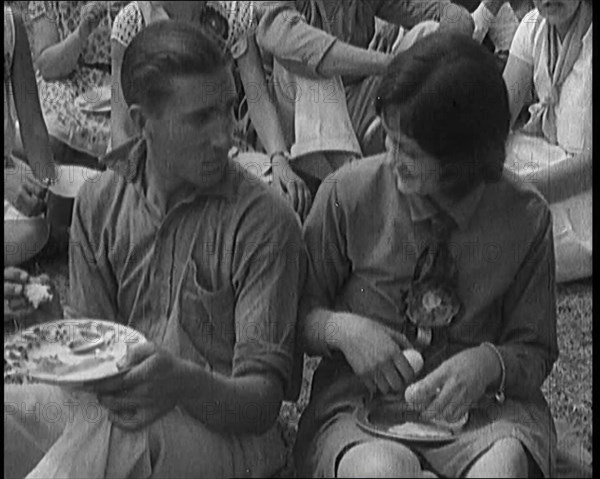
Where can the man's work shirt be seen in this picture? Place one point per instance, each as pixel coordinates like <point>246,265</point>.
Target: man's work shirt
<point>216,280</point>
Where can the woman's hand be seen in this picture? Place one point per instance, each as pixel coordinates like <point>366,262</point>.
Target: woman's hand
<point>91,16</point>
<point>150,389</point>
<point>456,385</point>
<point>17,306</point>
<point>31,197</point>
<point>375,354</point>
<point>291,186</point>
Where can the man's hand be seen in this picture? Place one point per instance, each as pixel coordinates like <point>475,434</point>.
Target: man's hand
<point>150,389</point>
<point>17,306</point>
<point>456,385</point>
<point>457,19</point>
<point>375,354</point>
<point>291,186</point>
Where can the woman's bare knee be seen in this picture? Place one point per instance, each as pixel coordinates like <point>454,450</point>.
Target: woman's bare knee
<point>506,458</point>
<point>379,459</point>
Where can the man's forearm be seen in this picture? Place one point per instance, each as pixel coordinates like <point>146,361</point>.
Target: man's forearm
<point>345,59</point>
<point>239,405</point>
<point>58,61</point>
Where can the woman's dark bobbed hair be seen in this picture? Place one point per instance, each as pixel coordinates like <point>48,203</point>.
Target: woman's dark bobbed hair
<point>447,93</point>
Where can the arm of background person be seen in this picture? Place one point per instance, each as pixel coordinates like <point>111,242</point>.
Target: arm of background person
<point>309,51</point>
<point>56,59</point>
<point>518,72</point>
<point>528,343</point>
<point>121,126</point>
<point>260,105</point>
<point>518,77</point>
<point>409,13</point>
<point>564,179</point>
<point>27,104</point>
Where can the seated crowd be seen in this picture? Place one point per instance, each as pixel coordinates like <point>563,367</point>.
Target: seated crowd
<point>419,196</point>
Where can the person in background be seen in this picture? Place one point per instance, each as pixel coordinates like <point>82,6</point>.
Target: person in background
<point>206,265</point>
<point>324,73</point>
<point>234,23</point>
<point>551,60</point>
<point>498,20</point>
<point>24,183</point>
<point>431,246</point>
<point>71,50</point>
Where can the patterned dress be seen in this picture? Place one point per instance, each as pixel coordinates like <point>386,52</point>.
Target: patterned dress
<point>241,22</point>
<point>82,130</point>
<point>9,117</point>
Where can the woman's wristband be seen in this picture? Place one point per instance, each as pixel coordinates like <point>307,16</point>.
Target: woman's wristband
<point>499,395</point>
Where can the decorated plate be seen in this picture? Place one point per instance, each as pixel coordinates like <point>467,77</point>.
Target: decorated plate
<point>396,420</point>
<point>70,352</point>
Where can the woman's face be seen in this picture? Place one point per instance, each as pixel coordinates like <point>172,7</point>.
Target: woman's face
<point>557,12</point>
<point>417,172</point>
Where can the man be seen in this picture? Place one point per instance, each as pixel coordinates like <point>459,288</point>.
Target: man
<point>206,262</point>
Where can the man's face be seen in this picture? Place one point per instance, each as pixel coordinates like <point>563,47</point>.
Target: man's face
<point>193,135</point>
<point>417,172</point>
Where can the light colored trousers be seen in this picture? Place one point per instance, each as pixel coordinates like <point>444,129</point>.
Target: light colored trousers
<point>36,416</point>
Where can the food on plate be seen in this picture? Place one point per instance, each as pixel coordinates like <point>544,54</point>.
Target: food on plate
<point>37,293</point>
<point>417,429</point>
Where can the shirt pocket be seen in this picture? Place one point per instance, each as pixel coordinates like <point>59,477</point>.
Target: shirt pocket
<point>208,318</point>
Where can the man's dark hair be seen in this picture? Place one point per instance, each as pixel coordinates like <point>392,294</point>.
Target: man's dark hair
<point>161,51</point>
<point>450,97</point>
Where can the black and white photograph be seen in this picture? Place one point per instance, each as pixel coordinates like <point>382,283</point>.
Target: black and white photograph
<point>307,238</point>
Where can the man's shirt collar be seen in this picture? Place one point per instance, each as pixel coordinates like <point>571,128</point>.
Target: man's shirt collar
<point>127,160</point>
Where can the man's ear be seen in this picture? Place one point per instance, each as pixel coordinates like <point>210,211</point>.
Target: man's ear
<point>139,118</point>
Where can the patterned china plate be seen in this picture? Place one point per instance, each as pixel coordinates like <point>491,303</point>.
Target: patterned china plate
<point>70,352</point>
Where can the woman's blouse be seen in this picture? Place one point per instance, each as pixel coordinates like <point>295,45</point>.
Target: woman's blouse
<point>574,107</point>
<point>240,18</point>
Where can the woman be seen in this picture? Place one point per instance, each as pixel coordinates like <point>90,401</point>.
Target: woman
<point>24,183</point>
<point>551,58</point>
<point>430,246</point>
<point>233,22</point>
<point>72,56</point>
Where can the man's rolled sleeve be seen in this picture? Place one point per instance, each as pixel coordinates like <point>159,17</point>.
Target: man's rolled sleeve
<point>528,344</point>
<point>409,13</point>
<point>93,288</point>
<point>283,31</point>
<point>269,269</point>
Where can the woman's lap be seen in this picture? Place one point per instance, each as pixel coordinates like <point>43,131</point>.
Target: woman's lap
<point>319,456</point>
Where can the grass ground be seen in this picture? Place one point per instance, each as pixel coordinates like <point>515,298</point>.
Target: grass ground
<point>568,389</point>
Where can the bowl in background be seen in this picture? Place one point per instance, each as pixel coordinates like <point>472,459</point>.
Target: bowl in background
<point>24,238</point>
